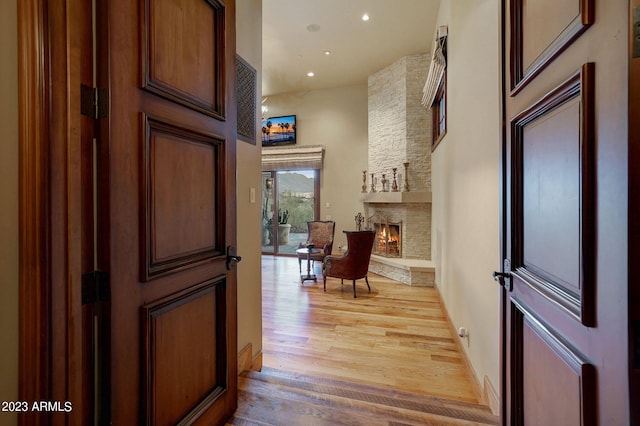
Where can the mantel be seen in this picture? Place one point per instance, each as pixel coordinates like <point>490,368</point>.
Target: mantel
<point>396,197</point>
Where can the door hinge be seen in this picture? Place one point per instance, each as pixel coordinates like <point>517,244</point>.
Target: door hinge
<point>94,102</point>
<point>95,287</point>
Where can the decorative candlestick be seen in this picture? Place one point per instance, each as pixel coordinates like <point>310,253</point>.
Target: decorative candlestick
<point>406,177</point>
<point>364,181</point>
<point>394,187</point>
<point>373,187</point>
<point>384,183</point>
<point>359,219</point>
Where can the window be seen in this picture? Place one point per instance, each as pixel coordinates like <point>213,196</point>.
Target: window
<point>439,105</point>
<point>439,113</point>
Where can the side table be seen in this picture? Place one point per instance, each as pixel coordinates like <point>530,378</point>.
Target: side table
<point>308,251</point>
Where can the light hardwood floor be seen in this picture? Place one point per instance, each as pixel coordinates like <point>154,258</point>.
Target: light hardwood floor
<point>396,336</point>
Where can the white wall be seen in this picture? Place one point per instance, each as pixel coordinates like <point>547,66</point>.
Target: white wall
<point>249,47</point>
<point>465,172</point>
<point>9,207</point>
<point>337,120</point>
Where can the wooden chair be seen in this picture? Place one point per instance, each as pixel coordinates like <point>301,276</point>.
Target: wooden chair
<point>354,263</point>
<point>320,235</point>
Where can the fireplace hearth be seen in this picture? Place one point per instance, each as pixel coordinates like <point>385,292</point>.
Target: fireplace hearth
<point>402,247</point>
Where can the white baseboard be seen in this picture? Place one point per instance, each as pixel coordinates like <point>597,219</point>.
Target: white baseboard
<point>491,396</point>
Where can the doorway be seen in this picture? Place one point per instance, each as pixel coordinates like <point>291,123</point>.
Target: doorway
<point>290,198</point>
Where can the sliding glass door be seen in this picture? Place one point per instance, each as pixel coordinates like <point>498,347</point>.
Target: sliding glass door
<point>289,200</point>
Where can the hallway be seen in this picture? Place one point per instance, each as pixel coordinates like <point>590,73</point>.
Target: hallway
<point>397,336</point>
<point>395,339</point>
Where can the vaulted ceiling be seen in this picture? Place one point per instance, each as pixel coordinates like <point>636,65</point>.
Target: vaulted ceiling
<point>297,33</point>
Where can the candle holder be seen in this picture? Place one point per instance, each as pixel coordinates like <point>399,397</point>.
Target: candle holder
<point>394,186</point>
<point>384,183</point>
<point>359,218</point>
<point>373,187</point>
<point>364,181</point>
<point>406,177</point>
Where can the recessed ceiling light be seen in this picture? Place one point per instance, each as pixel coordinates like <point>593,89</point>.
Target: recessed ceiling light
<point>365,17</point>
<point>310,74</point>
<point>326,52</point>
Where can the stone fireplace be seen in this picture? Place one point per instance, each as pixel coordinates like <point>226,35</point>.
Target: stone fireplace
<point>401,218</point>
<point>405,219</point>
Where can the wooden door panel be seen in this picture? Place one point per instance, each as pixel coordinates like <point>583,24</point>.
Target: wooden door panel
<point>552,145</point>
<point>548,213</point>
<point>554,383</point>
<point>540,31</point>
<point>184,171</point>
<point>106,182</point>
<point>172,192</point>
<point>564,212</point>
<point>539,27</point>
<point>184,336</point>
<point>192,34</point>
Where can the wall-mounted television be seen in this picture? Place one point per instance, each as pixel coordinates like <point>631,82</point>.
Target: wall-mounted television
<point>279,130</point>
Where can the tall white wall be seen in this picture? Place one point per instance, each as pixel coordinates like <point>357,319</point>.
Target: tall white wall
<point>465,181</point>
<point>337,120</point>
<point>249,47</point>
<point>9,209</point>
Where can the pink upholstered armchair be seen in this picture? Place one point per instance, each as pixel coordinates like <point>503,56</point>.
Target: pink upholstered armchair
<point>320,235</point>
<point>354,263</point>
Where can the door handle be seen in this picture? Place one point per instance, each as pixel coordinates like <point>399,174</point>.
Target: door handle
<point>232,257</point>
<point>501,277</point>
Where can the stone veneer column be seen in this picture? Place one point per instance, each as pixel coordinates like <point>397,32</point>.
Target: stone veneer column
<point>399,127</point>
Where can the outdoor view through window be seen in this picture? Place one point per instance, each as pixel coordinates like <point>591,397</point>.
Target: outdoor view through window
<point>288,202</point>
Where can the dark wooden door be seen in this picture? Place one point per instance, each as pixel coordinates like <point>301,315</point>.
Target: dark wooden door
<point>565,201</point>
<point>167,205</point>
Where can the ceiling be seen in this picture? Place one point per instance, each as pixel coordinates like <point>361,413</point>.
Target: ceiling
<point>296,34</point>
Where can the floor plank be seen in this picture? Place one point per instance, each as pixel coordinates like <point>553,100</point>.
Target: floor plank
<point>277,397</point>
<point>395,336</point>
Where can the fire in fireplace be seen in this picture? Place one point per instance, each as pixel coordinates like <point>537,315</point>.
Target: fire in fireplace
<point>388,240</point>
